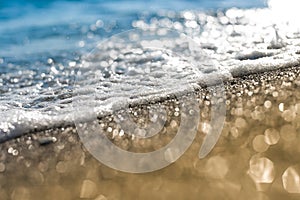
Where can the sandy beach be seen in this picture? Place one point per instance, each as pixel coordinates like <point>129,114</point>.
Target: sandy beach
<point>255,157</point>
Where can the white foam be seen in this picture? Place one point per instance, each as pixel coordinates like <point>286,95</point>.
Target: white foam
<point>236,42</point>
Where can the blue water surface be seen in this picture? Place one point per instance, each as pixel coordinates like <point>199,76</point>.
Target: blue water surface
<point>35,28</point>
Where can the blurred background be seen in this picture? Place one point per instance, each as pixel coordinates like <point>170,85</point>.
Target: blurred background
<point>36,27</point>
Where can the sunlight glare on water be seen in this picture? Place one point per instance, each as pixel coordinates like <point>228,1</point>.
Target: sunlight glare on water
<point>286,11</point>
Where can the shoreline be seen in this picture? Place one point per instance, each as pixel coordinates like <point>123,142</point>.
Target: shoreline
<point>223,79</point>
<point>255,103</point>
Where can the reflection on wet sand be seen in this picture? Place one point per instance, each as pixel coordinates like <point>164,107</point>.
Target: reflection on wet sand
<point>256,156</point>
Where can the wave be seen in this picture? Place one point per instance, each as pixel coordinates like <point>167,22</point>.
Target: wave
<point>170,53</point>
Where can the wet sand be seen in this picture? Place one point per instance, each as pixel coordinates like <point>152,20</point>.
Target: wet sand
<point>256,156</point>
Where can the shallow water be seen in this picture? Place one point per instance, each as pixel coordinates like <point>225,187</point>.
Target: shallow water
<point>41,60</point>
<point>256,156</point>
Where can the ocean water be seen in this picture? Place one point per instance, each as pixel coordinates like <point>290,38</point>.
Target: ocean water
<point>37,28</point>
<point>49,49</point>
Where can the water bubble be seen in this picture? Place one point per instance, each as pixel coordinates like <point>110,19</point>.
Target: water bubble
<point>281,107</point>
<point>99,23</point>
<point>15,152</point>
<point>121,133</point>
<point>261,170</point>
<point>275,94</point>
<point>10,150</point>
<point>227,102</point>
<point>191,112</point>
<point>259,144</point>
<point>234,132</point>
<point>291,180</point>
<point>271,136</point>
<point>50,61</point>
<point>288,115</point>
<point>250,93</point>
<point>109,129</point>
<point>268,104</point>
<point>81,43</point>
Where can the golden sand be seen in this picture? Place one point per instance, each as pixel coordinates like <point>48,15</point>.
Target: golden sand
<point>256,157</point>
